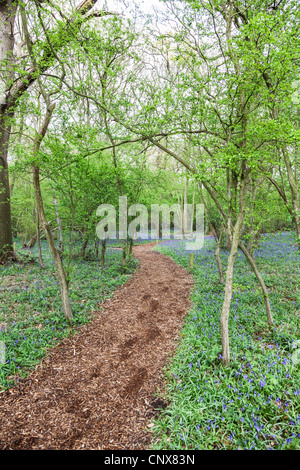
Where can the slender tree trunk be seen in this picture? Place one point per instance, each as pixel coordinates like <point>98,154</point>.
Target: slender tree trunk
<point>96,244</point>
<point>25,238</point>
<point>124,251</point>
<point>84,246</point>
<point>229,272</point>
<point>251,245</point>
<point>71,239</point>
<point>252,263</point>
<point>181,203</point>
<point>130,247</point>
<point>193,209</point>
<point>229,221</point>
<point>185,208</point>
<point>103,250</point>
<point>58,221</point>
<point>38,239</point>
<point>218,259</point>
<point>63,282</point>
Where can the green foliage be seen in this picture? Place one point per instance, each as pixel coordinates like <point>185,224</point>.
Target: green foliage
<point>254,403</point>
<point>217,92</point>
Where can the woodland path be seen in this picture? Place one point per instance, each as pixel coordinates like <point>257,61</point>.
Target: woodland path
<point>97,389</point>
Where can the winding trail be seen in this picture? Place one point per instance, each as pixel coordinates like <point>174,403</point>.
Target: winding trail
<point>96,389</point>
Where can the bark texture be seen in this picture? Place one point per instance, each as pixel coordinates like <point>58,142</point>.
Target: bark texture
<point>7,18</point>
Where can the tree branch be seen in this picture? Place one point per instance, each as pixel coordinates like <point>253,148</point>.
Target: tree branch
<point>64,33</point>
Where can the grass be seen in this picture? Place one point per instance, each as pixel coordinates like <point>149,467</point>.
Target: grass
<point>254,403</point>
<point>31,317</point>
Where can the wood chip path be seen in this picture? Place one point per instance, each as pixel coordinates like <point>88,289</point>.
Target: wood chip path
<point>97,389</point>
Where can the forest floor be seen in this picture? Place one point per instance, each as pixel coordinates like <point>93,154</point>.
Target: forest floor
<point>98,389</point>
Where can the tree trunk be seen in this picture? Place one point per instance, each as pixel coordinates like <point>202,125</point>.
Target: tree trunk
<point>7,18</point>
<point>218,259</point>
<point>103,250</point>
<point>130,247</point>
<point>261,282</point>
<point>229,221</point>
<point>185,208</point>
<point>60,235</point>
<point>193,209</point>
<point>84,246</point>
<point>38,239</point>
<point>251,245</point>
<point>229,272</point>
<point>96,244</point>
<point>6,240</point>
<point>124,251</point>
<point>63,283</point>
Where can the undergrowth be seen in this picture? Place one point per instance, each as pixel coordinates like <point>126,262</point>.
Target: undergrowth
<point>31,316</point>
<point>253,403</point>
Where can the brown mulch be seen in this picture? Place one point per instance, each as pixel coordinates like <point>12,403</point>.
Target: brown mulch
<point>98,389</point>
